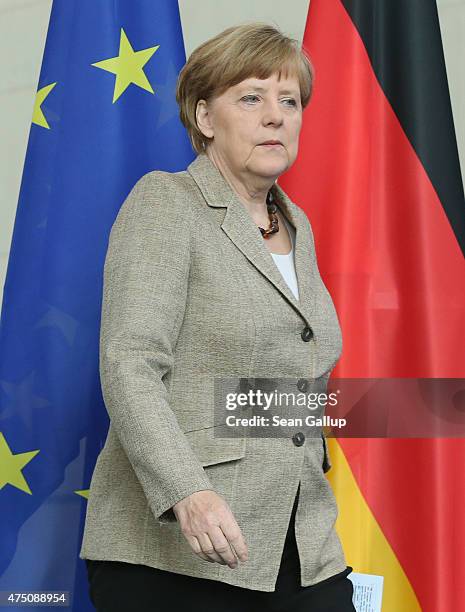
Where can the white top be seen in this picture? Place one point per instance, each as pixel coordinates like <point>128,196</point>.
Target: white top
<point>285,263</point>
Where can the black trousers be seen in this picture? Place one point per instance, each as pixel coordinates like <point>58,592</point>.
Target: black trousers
<point>116,586</point>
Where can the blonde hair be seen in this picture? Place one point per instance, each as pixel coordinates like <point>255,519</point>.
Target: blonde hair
<point>253,49</point>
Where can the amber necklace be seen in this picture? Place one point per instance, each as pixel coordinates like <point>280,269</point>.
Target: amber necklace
<point>274,223</point>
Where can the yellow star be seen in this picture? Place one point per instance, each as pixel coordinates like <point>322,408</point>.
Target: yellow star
<point>11,465</point>
<point>38,116</point>
<point>128,66</point>
<point>82,493</point>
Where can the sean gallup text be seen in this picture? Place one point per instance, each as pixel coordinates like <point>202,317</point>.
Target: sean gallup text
<point>277,421</point>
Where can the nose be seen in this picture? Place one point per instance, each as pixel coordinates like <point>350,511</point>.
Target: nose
<point>272,112</point>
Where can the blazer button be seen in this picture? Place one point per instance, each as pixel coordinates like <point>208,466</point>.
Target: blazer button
<point>307,334</point>
<point>298,438</point>
<point>302,384</point>
<point>245,385</point>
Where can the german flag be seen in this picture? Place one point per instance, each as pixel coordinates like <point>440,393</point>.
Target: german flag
<point>378,175</point>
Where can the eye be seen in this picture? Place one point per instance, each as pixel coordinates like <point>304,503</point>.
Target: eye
<point>248,97</point>
<point>251,97</point>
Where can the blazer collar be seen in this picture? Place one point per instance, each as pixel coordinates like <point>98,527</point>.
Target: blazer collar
<point>245,234</point>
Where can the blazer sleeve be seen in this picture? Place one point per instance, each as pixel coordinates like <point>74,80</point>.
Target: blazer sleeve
<point>146,274</point>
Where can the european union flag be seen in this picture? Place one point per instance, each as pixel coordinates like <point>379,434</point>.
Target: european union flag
<point>105,114</point>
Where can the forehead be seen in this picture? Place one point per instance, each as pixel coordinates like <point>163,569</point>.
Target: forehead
<point>288,83</point>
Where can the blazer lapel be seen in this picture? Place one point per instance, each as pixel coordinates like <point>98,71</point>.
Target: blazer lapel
<point>245,234</point>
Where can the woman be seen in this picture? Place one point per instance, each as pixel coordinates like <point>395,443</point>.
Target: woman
<point>211,273</point>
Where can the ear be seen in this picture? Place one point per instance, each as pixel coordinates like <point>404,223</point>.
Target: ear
<point>204,119</point>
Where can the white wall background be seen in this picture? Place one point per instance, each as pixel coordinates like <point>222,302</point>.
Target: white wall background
<point>23,28</point>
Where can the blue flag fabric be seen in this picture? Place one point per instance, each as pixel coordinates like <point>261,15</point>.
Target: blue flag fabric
<point>105,114</point>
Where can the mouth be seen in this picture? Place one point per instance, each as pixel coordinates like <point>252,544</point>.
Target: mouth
<point>271,143</point>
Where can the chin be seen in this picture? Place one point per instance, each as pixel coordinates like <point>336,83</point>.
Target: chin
<point>276,169</point>
<point>271,168</point>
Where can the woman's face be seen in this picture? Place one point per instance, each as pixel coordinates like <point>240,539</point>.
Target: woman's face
<point>248,114</point>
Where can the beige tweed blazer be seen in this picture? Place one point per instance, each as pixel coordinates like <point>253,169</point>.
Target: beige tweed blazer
<point>192,293</point>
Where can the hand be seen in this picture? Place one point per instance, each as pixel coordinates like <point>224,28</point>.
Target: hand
<point>209,526</point>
